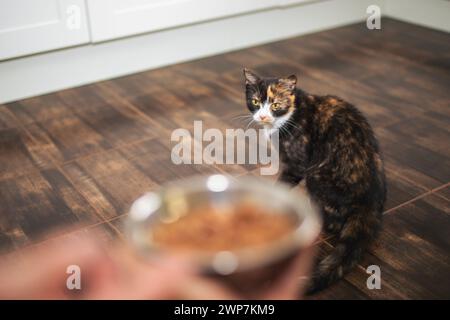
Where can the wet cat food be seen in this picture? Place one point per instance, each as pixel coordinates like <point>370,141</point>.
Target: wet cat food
<point>217,229</point>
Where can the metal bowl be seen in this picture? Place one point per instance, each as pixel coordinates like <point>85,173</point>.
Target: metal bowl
<point>245,266</point>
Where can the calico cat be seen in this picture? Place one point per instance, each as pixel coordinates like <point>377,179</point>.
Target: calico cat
<point>329,144</point>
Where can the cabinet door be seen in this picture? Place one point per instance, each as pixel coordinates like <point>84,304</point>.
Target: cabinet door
<point>118,18</point>
<point>29,26</point>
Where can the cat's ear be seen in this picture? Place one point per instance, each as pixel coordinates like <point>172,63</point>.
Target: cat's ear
<point>289,83</point>
<point>250,77</point>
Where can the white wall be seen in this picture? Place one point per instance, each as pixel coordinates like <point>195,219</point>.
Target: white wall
<point>429,13</point>
<point>42,73</point>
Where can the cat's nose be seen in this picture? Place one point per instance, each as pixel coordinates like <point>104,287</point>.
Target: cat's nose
<point>263,118</point>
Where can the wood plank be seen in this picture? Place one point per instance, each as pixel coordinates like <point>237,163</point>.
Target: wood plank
<point>20,154</point>
<point>153,158</point>
<point>400,190</point>
<point>413,249</point>
<point>412,155</point>
<point>425,134</point>
<point>78,125</point>
<point>445,193</point>
<point>418,178</point>
<point>109,181</point>
<point>37,203</point>
<point>40,109</point>
<point>7,119</point>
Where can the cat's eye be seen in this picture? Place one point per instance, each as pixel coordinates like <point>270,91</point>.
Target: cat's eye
<point>255,102</point>
<point>275,106</point>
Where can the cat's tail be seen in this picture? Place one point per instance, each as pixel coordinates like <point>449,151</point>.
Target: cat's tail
<point>353,239</point>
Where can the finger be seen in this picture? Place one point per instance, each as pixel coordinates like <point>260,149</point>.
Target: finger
<point>137,278</point>
<point>169,277</point>
<point>41,273</point>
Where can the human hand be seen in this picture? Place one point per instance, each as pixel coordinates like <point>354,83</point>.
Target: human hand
<point>116,273</point>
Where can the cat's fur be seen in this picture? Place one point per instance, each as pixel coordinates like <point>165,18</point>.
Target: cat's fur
<point>329,144</point>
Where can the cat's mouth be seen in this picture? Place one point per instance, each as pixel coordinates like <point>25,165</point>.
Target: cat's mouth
<point>266,122</point>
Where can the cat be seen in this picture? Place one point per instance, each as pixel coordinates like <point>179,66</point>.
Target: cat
<point>327,143</point>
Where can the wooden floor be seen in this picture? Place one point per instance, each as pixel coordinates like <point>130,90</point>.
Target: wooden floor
<point>81,156</point>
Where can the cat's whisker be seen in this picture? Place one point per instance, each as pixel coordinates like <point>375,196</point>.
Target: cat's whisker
<point>242,120</point>
<point>292,124</point>
<point>248,125</point>
<point>241,116</point>
<point>288,130</point>
<point>283,129</point>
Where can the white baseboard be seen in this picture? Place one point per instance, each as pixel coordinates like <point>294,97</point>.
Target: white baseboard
<point>52,71</point>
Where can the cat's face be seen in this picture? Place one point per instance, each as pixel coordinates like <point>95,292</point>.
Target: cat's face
<point>271,101</point>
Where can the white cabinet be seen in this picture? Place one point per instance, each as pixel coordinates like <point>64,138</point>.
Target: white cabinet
<point>111,19</point>
<point>29,26</point>
<point>33,26</point>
